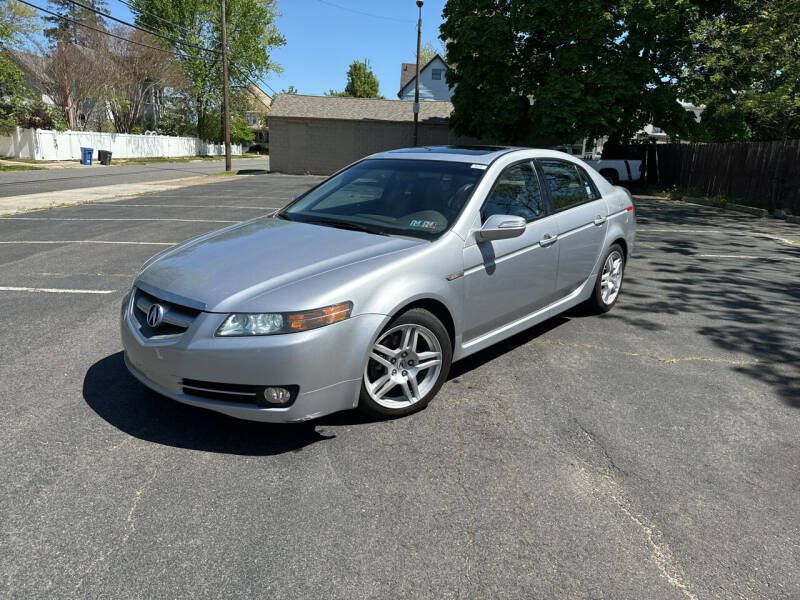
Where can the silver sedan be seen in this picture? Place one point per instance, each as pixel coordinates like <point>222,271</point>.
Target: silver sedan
<point>363,291</point>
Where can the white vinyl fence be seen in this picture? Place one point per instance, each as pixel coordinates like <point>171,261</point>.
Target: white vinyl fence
<point>42,144</point>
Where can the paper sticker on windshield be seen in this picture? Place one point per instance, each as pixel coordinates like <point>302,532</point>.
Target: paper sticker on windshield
<point>422,224</point>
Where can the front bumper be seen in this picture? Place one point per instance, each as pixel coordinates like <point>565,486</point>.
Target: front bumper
<point>326,363</point>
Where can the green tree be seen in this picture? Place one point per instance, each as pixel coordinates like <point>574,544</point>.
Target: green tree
<point>361,81</point>
<point>240,131</point>
<point>747,71</point>
<point>68,31</point>
<point>290,90</point>
<point>18,22</point>
<point>195,25</point>
<point>534,71</point>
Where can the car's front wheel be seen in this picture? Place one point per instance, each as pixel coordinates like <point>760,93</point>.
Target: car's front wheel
<point>406,365</point>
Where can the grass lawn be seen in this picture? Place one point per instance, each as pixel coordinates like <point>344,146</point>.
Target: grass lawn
<point>20,168</point>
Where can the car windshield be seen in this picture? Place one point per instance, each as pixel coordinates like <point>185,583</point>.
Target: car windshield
<point>415,198</point>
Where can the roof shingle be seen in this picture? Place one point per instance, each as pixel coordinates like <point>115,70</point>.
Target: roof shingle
<point>356,109</point>
<point>407,72</point>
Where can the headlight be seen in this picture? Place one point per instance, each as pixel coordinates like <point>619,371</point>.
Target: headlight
<point>242,324</point>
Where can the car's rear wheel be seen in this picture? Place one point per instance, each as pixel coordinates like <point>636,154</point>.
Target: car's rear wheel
<point>406,365</point>
<point>609,280</point>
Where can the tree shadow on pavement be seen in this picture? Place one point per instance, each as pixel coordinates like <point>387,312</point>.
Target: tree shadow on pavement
<point>121,400</point>
<point>748,305</point>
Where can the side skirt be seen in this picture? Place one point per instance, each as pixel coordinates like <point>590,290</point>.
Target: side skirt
<point>492,337</point>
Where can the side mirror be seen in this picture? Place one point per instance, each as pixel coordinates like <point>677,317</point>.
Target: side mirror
<point>501,227</point>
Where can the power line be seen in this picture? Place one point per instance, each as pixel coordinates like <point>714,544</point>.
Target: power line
<point>130,41</point>
<point>366,14</point>
<point>163,37</point>
<point>167,38</point>
<point>98,30</point>
<point>163,20</point>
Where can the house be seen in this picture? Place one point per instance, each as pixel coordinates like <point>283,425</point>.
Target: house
<point>258,102</point>
<point>432,83</point>
<point>322,134</point>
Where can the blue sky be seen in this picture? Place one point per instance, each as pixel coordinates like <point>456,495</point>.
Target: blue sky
<point>324,36</point>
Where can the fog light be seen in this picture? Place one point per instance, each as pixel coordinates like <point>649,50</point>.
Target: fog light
<point>277,395</point>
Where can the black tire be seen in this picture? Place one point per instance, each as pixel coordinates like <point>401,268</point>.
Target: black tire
<point>425,319</point>
<point>596,300</point>
<point>611,175</point>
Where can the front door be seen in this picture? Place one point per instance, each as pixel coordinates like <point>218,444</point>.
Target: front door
<point>581,214</point>
<point>508,279</point>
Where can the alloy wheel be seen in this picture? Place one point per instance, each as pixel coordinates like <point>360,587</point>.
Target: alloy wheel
<point>611,279</point>
<point>403,366</point>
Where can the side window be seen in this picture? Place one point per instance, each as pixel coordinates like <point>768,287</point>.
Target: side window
<point>569,184</point>
<point>436,74</point>
<point>588,184</point>
<point>516,192</point>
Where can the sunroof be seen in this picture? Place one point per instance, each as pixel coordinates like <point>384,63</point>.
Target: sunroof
<point>471,150</point>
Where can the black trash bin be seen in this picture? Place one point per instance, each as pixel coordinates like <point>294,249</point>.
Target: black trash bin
<point>104,156</point>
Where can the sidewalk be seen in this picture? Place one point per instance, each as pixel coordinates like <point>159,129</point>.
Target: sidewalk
<point>25,202</point>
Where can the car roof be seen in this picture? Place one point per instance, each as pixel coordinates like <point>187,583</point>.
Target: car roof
<point>481,155</point>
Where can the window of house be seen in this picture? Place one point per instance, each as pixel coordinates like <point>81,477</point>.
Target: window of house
<point>436,74</point>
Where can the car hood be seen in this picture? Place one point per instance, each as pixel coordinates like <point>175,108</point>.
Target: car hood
<point>223,270</point>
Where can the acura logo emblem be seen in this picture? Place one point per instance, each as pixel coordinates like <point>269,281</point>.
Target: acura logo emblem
<point>155,315</point>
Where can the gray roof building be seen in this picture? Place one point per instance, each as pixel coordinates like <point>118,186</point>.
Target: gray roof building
<point>356,109</point>
<point>320,134</point>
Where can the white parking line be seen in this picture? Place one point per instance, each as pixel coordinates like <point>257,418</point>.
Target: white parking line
<point>53,290</point>
<point>87,242</point>
<point>646,229</point>
<point>112,219</point>
<point>747,256</point>
<point>182,206</point>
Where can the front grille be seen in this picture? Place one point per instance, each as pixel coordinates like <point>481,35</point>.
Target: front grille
<point>177,318</point>
<point>233,392</point>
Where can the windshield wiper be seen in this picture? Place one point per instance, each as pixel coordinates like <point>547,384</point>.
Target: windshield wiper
<point>345,225</point>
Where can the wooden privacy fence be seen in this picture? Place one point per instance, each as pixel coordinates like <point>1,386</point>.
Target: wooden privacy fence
<point>761,174</point>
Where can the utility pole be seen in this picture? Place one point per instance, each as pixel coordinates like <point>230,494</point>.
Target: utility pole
<point>226,109</point>
<point>416,79</point>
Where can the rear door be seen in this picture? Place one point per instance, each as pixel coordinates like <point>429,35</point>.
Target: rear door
<point>581,215</point>
<point>508,279</point>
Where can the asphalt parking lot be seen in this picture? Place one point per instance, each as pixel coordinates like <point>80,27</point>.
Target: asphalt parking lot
<point>652,452</point>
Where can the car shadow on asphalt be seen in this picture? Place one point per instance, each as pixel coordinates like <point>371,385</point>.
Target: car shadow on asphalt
<point>497,350</point>
<point>116,396</point>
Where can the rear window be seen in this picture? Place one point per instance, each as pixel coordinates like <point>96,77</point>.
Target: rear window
<point>569,185</point>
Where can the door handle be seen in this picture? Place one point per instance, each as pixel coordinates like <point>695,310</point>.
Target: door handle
<point>598,220</point>
<point>548,240</point>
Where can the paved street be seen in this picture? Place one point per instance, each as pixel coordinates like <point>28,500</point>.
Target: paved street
<point>649,453</point>
<point>15,183</point>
